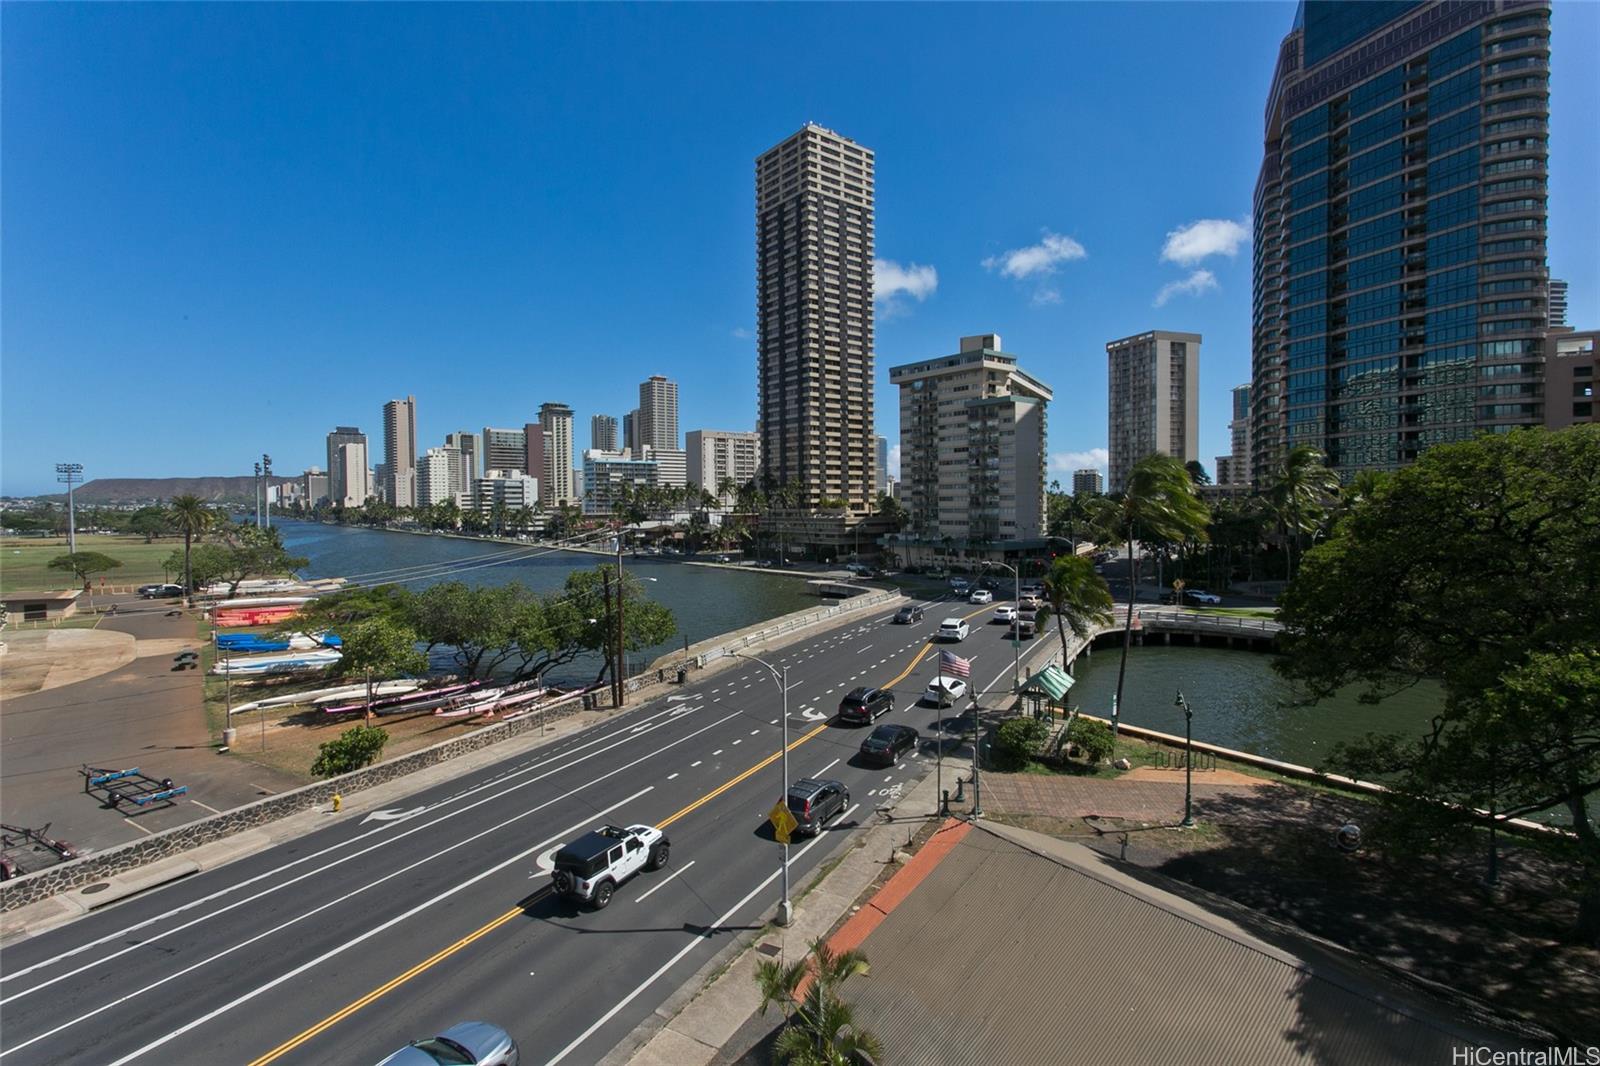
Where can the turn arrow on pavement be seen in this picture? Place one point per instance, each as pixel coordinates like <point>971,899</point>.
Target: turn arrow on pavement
<point>392,815</point>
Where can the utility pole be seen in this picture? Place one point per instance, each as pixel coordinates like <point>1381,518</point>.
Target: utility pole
<point>266,478</point>
<point>69,474</point>
<point>622,660</point>
<point>258,495</point>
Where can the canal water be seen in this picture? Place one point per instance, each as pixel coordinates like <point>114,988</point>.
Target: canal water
<point>1240,703</point>
<point>706,601</point>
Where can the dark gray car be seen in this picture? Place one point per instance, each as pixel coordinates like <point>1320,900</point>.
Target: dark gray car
<point>467,1044</point>
<point>813,802</point>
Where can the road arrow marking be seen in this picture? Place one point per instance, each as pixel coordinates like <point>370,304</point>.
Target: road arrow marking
<point>814,716</point>
<point>392,815</point>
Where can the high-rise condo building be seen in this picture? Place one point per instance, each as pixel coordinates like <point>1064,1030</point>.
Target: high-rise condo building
<point>559,487</point>
<point>1234,468</point>
<point>972,446</point>
<point>535,440</point>
<point>1558,303</point>
<point>603,432</point>
<point>717,455</point>
<point>1087,482</point>
<point>347,471</point>
<point>1571,373</point>
<point>504,449</point>
<point>510,489</point>
<point>1153,399</point>
<point>881,470</point>
<point>630,431</point>
<point>1400,220</point>
<point>436,471</point>
<point>467,447</point>
<point>814,237</point>
<point>315,489</point>
<point>658,413</point>
<point>604,473</point>
<point>400,451</point>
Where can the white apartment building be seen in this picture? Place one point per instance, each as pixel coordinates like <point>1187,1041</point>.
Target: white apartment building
<point>1153,399</point>
<point>972,445</point>
<point>437,472</point>
<point>350,476</point>
<point>559,485</point>
<point>400,451</point>
<point>716,454</point>
<point>510,487</point>
<point>657,426</point>
<point>605,472</point>
<point>672,465</point>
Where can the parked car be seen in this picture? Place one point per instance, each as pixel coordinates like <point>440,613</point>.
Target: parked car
<point>864,704</point>
<point>724,559</point>
<point>953,629</point>
<point>1005,613</point>
<point>981,596</point>
<point>158,592</point>
<point>1023,629</point>
<point>944,691</point>
<point>908,614</point>
<point>1193,598</point>
<point>887,743</point>
<point>470,1043</point>
<point>592,867</point>
<point>813,803</point>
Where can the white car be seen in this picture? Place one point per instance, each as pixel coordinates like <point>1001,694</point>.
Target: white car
<point>952,629</point>
<point>1209,599</point>
<point>1005,613</point>
<point>981,596</point>
<point>592,867</point>
<point>945,691</point>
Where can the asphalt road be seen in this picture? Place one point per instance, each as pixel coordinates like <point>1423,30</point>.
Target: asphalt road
<point>344,944</point>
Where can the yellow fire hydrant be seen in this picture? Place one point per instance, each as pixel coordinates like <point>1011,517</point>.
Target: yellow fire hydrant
<point>338,802</point>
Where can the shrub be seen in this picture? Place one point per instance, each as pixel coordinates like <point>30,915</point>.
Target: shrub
<point>1016,741</point>
<point>1093,739</point>
<point>353,749</point>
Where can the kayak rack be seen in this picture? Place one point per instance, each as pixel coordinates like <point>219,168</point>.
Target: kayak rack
<point>130,786</point>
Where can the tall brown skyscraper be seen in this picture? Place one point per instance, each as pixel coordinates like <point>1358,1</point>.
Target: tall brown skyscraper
<point>814,316</point>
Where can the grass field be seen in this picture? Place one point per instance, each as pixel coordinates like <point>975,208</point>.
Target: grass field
<point>25,561</point>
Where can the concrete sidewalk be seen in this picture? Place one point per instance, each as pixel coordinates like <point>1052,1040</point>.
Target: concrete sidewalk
<point>697,1023</point>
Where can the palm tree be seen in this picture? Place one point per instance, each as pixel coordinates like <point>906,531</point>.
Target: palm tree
<point>821,1029</point>
<point>1158,503</point>
<point>1079,598</point>
<point>192,517</point>
<point>1300,493</point>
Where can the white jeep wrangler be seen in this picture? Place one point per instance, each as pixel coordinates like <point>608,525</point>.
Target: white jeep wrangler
<point>591,867</point>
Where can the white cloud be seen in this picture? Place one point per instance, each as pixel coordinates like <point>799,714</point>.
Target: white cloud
<point>1193,285</point>
<point>743,334</point>
<point>1067,462</point>
<point>894,462</point>
<point>890,279</point>
<point>1036,259</point>
<point>1045,295</point>
<point>1189,244</point>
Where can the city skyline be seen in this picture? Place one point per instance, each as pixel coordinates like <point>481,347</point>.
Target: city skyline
<point>1052,254</point>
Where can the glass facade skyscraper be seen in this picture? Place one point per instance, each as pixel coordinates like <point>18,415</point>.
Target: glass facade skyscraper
<point>1400,222</point>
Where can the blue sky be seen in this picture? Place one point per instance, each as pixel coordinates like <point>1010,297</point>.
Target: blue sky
<point>227,228</point>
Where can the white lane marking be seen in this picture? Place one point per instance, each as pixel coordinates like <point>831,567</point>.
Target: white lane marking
<point>717,752</point>
<point>207,806</point>
<point>392,814</point>
<point>774,722</point>
<point>874,792</point>
<point>135,825</point>
<point>698,937</point>
<point>814,716</point>
<point>682,869</point>
<point>825,769</point>
<point>101,960</point>
<point>889,778</point>
<point>331,953</point>
<point>697,762</point>
<point>863,648</point>
<point>756,732</point>
<point>672,775</point>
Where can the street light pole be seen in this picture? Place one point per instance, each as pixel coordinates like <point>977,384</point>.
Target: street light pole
<point>1188,761</point>
<point>785,909</point>
<point>258,495</point>
<point>69,474</point>
<point>622,660</point>
<point>266,479</point>
<point>977,736</point>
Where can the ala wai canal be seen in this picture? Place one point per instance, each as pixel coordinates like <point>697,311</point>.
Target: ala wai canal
<point>1238,701</point>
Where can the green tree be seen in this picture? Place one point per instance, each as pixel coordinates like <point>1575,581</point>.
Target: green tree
<point>192,518</point>
<point>1159,503</point>
<point>1479,566</point>
<point>83,564</point>
<point>1197,472</point>
<point>150,523</point>
<point>354,748</point>
<point>256,552</point>
<point>378,649</point>
<point>891,509</point>
<point>1078,597</point>
<point>1016,741</point>
<point>336,611</point>
<point>474,623</point>
<point>820,1029</point>
<point>1300,494</point>
<point>1093,739</point>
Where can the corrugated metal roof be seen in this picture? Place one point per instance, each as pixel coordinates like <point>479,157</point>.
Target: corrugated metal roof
<point>1052,681</point>
<point>1005,956</point>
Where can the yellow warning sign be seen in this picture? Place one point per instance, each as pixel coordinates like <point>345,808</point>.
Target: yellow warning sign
<point>783,822</point>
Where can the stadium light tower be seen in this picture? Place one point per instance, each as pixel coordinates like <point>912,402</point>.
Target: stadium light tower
<point>69,474</point>
<point>266,499</point>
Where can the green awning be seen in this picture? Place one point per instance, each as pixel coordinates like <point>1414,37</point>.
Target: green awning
<point>1052,682</point>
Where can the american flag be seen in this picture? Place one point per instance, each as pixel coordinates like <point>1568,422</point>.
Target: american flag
<point>951,663</point>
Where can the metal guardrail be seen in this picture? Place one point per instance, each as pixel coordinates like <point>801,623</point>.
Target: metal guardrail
<point>1237,623</point>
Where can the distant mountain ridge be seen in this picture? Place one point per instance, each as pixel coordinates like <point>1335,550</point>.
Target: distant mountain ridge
<point>146,489</point>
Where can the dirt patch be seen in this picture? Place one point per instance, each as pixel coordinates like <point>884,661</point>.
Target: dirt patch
<point>1218,776</point>
<point>1272,849</point>
<point>49,658</point>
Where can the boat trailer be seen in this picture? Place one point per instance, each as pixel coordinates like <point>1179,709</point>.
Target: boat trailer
<point>130,786</point>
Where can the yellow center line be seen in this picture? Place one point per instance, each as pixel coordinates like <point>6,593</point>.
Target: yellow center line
<point>489,927</point>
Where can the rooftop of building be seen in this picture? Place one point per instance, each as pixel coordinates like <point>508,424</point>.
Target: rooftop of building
<point>1158,334</point>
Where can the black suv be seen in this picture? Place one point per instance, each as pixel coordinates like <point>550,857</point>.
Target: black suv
<point>814,802</point>
<point>887,743</point>
<point>862,705</point>
<point>908,614</point>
